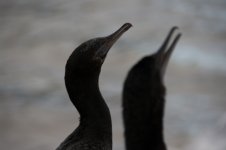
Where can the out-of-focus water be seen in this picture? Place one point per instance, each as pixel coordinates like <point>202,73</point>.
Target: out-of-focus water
<point>36,38</point>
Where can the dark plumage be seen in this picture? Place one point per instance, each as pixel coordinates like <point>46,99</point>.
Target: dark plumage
<point>81,79</point>
<point>144,99</point>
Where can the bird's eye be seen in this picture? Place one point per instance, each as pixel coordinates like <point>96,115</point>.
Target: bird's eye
<point>98,60</point>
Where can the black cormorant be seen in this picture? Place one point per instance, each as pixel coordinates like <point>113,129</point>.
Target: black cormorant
<point>144,99</point>
<point>81,79</point>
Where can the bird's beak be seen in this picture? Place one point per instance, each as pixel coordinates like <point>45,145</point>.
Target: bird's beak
<point>165,51</point>
<point>111,39</point>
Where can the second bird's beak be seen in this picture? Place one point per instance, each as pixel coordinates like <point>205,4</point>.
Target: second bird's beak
<point>165,51</point>
<point>111,39</point>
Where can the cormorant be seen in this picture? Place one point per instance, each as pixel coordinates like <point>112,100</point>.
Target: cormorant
<point>143,99</point>
<point>81,79</point>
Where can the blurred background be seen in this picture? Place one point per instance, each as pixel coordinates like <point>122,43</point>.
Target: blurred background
<point>37,37</point>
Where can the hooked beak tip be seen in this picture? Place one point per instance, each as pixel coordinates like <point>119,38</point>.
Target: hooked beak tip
<point>175,28</point>
<point>116,35</point>
<point>111,39</point>
<point>127,26</point>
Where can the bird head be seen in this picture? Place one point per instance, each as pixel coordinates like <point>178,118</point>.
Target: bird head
<point>91,54</point>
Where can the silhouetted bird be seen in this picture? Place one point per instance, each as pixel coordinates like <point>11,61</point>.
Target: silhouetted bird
<point>81,78</point>
<point>143,99</point>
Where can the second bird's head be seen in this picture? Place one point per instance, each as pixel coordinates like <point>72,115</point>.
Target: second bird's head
<point>90,55</point>
<point>156,63</point>
<point>149,72</point>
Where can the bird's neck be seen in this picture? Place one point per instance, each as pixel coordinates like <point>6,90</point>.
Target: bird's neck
<point>156,125</point>
<point>156,116</point>
<point>84,93</point>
